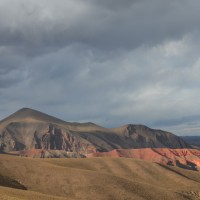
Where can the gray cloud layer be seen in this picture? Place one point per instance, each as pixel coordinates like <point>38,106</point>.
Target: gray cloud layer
<point>110,62</point>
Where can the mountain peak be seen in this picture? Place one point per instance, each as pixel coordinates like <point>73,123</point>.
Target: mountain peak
<point>26,112</point>
<point>29,114</point>
<point>25,109</point>
<point>133,126</point>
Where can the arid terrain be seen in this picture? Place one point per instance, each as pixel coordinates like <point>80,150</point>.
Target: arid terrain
<point>184,158</point>
<point>99,100</point>
<point>42,157</point>
<point>94,178</point>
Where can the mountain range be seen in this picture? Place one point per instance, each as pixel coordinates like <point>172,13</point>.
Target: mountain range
<point>32,133</point>
<point>192,140</point>
<point>30,129</point>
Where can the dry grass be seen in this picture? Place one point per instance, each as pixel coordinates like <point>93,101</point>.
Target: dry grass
<point>97,178</point>
<point>14,194</point>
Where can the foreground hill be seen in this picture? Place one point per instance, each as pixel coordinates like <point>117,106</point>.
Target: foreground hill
<point>95,178</point>
<point>31,129</point>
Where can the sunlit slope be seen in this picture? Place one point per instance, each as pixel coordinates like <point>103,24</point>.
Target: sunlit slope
<point>27,115</point>
<point>101,178</point>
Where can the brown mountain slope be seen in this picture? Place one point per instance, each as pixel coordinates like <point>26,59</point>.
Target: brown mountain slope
<point>99,178</point>
<point>30,115</point>
<point>31,129</point>
<point>15,194</point>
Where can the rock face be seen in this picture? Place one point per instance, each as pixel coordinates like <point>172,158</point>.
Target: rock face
<point>30,129</point>
<point>23,136</point>
<point>42,153</point>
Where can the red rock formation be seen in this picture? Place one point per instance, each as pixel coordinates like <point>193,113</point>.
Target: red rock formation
<point>184,158</point>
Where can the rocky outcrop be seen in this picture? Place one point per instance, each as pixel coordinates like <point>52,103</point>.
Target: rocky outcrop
<point>45,136</point>
<point>9,142</point>
<point>42,153</point>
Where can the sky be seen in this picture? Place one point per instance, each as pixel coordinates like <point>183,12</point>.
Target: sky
<point>110,62</point>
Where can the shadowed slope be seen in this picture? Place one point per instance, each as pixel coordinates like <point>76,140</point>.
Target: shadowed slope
<point>8,182</point>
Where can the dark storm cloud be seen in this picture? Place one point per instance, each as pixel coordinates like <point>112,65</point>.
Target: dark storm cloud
<point>109,61</point>
<point>101,24</point>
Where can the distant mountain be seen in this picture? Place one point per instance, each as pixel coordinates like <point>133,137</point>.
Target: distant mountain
<point>192,140</point>
<point>30,129</point>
